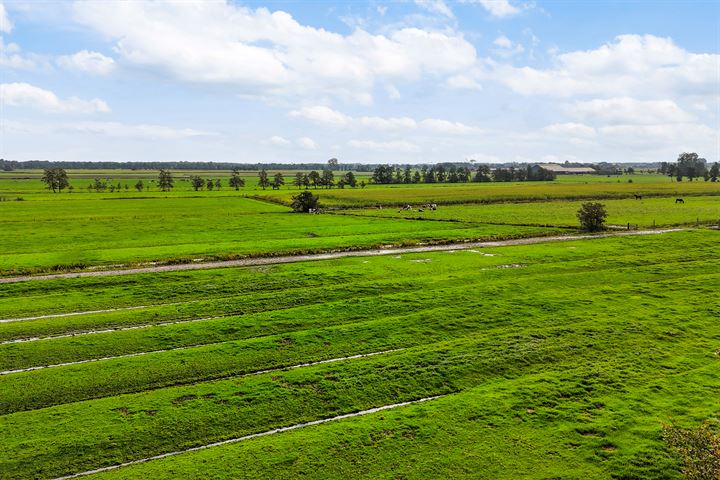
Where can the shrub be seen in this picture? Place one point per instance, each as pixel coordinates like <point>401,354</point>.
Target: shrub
<point>592,216</point>
<point>699,450</point>
<point>304,202</point>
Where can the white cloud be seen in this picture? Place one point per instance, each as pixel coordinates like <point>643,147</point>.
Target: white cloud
<point>11,57</point>
<point>447,127</point>
<point>279,141</point>
<point>388,123</point>
<point>5,25</point>
<point>322,115</point>
<point>570,130</point>
<point>329,117</point>
<point>506,47</point>
<point>631,65</point>
<point>26,95</point>
<point>307,143</point>
<point>270,54</point>
<point>436,6</point>
<point>139,131</point>
<point>89,62</point>
<point>625,110</point>
<point>497,8</point>
<point>465,82</point>
<point>399,146</point>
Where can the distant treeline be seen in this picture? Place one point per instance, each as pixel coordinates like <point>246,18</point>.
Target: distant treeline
<point>386,174</point>
<point>9,165</point>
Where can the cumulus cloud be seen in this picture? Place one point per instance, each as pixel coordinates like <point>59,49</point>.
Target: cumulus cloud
<point>322,115</point>
<point>627,110</point>
<point>279,141</point>
<point>26,95</point>
<point>464,82</point>
<point>307,143</point>
<point>388,123</point>
<point>497,8</point>
<point>570,129</point>
<point>270,53</point>
<point>12,57</point>
<point>5,25</point>
<point>138,131</point>
<point>326,116</point>
<point>447,127</point>
<point>631,65</point>
<point>506,47</point>
<point>88,62</point>
<point>435,6</point>
<point>398,146</point>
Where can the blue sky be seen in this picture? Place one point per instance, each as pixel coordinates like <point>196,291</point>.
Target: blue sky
<point>400,82</point>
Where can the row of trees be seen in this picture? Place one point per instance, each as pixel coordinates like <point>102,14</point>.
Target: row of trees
<point>692,166</point>
<point>387,174</point>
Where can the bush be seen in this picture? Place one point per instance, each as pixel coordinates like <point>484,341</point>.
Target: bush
<point>699,450</point>
<point>592,216</point>
<point>304,202</point>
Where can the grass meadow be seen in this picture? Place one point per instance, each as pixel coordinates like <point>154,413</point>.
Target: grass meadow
<point>550,360</point>
<point>567,364</point>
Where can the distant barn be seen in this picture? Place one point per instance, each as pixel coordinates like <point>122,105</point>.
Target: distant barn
<point>560,170</point>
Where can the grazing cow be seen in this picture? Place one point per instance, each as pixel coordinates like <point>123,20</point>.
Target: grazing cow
<point>679,200</point>
<point>638,197</point>
<point>433,206</point>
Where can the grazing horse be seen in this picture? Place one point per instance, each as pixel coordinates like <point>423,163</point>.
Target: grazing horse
<point>679,200</point>
<point>637,197</point>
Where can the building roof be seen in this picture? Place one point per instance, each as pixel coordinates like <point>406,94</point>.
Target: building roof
<point>554,167</point>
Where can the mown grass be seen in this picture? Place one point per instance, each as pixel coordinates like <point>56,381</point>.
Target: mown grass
<point>648,212</point>
<point>561,368</point>
<point>398,195</point>
<point>43,236</point>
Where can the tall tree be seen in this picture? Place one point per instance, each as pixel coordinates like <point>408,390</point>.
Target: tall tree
<point>278,181</point>
<point>350,179</point>
<point>691,165</point>
<point>236,181</point>
<point>56,179</point>
<point>314,178</point>
<point>298,181</point>
<point>328,179</point>
<point>197,183</point>
<point>263,180</point>
<point>165,180</point>
<point>714,172</point>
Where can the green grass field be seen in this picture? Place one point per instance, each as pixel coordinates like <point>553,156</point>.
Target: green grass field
<point>565,366</point>
<point>648,212</point>
<point>553,360</point>
<point>41,236</point>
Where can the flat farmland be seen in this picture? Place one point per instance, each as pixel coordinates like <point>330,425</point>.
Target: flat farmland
<point>648,212</point>
<point>547,360</point>
<point>398,195</point>
<point>77,233</point>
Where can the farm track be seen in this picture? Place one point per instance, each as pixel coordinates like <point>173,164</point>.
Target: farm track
<point>251,436</point>
<point>250,262</point>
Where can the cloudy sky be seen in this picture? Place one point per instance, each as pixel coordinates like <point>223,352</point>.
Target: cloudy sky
<point>401,81</point>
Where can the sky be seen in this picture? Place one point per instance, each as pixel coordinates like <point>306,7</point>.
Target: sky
<point>420,81</point>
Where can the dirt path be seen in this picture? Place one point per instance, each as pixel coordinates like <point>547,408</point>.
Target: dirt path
<point>249,262</point>
<point>251,436</point>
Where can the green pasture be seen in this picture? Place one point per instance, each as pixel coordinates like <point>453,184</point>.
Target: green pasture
<point>647,212</point>
<point>553,360</point>
<point>41,236</point>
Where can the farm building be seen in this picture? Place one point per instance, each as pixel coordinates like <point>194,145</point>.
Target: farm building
<point>561,170</point>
